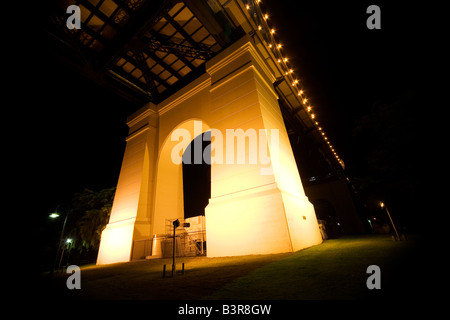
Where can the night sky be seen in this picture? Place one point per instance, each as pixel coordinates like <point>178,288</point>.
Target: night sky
<point>76,129</point>
<point>345,67</point>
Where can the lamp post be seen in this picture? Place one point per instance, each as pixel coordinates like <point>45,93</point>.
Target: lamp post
<point>390,218</point>
<point>176,224</point>
<point>54,216</point>
<point>67,245</point>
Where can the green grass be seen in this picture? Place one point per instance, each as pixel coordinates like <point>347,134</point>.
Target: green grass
<point>335,269</point>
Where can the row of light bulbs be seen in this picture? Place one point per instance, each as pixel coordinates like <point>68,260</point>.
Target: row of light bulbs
<point>268,33</point>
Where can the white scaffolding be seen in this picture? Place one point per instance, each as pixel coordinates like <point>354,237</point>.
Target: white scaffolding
<point>190,240</point>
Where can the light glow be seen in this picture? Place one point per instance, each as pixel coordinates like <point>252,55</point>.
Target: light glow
<point>115,245</point>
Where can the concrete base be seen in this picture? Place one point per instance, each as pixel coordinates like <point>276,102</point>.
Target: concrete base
<point>262,220</point>
<point>117,239</point>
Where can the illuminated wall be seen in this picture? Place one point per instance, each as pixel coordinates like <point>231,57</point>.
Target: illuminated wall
<point>249,212</point>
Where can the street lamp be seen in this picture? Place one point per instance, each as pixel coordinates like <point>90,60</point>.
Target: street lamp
<point>68,245</point>
<point>55,215</point>
<point>390,218</point>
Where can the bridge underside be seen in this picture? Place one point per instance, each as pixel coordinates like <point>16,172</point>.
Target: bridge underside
<point>214,62</point>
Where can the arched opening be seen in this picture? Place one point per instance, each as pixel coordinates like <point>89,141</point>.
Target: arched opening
<point>197,176</point>
<point>169,202</point>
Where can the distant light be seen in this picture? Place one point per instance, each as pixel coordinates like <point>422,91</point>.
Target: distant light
<point>69,240</point>
<point>381,204</point>
<point>53,215</point>
<point>272,31</point>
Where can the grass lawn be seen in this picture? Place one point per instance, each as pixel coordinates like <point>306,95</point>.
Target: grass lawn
<point>335,269</point>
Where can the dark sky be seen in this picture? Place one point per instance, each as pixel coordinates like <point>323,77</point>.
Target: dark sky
<point>78,137</point>
<point>345,67</point>
<point>77,129</point>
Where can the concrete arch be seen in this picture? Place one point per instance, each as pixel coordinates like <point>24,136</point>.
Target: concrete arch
<point>256,206</point>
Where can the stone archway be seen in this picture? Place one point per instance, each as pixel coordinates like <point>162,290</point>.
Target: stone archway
<point>257,203</point>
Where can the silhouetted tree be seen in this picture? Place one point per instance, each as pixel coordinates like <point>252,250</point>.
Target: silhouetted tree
<point>89,215</point>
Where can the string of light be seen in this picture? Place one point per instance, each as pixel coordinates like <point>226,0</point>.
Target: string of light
<point>268,33</point>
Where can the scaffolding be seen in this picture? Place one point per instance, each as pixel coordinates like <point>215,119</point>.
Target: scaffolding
<point>190,239</point>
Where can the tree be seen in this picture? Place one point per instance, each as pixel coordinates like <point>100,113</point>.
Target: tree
<point>89,215</point>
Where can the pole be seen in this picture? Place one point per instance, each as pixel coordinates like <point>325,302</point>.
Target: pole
<point>59,244</point>
<point>173,256</point>
<point>175,224</point>
<point>60,259</point>
<point>395,229</point>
